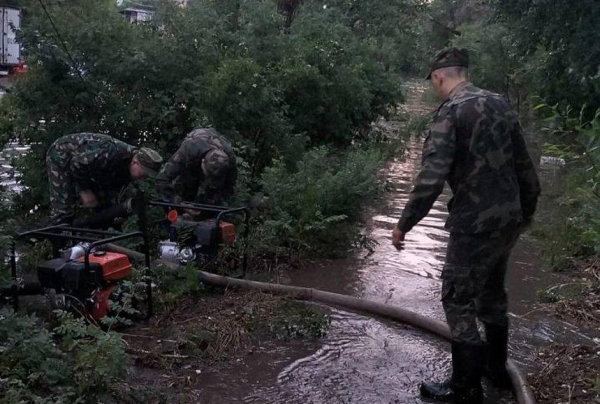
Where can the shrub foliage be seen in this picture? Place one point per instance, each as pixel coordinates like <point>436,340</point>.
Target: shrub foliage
<point>70,362</point>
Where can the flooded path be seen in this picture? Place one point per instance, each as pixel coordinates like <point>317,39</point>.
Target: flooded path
<point>371,360</point>
<point>9,177</point>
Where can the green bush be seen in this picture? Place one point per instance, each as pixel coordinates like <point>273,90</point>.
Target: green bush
<point>309,206</point>
<point>559,42</point>
<point>575,232</point>
<point>392,28</point>
<point>71,362</point>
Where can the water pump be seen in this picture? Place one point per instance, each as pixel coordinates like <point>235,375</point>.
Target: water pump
<point>91,285</point>
<point>198,237</point>
<point>82,277</point>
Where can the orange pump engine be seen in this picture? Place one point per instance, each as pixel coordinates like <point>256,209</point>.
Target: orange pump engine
<point>90,284</point>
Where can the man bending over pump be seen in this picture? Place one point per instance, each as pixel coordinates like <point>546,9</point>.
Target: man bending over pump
<point>202,170</point>
<point>97,168</point>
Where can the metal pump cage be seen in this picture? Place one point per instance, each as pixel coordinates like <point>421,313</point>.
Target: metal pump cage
<point>95,238</point>
<point>220,212</point>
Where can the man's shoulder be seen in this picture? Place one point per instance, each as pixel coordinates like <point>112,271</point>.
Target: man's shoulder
<point>82,138</point>
<point>195,143</point>
<point>207,138</point>
<point>469,93</point>
<point>473,101</point>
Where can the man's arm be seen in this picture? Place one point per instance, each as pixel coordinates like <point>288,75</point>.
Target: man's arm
<point>529,183</point>
<point>438,157</point>
<point>165,180</point>
<point>221,195</point>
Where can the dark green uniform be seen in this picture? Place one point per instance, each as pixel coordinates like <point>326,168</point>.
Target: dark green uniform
<point>86,162</point>
<point>475,144</point>
<point>182,177</point>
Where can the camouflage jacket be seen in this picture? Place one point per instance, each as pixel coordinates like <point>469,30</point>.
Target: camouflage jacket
<point>476,144</point>
<point>182,177</point>
<point>93,161</point>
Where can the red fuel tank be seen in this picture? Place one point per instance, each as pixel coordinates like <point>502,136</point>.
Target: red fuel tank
<point>114,266</point>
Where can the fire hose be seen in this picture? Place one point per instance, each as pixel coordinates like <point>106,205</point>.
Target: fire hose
<point>521,388</point>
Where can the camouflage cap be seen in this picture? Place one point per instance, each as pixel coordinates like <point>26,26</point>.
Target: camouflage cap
<point>449,57</point>
<point>216,165</point>
<point>150,161</point>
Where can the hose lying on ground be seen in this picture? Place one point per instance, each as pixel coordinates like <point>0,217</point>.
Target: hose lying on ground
<point>518,379</point>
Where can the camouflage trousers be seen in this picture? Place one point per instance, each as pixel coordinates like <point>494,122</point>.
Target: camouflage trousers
<point>473,281</point>
<point>63,194</point>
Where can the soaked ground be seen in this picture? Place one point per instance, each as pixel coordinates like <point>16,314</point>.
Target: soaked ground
<point>370,360</point>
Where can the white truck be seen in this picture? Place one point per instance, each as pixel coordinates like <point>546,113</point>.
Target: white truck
<point>10,50</point>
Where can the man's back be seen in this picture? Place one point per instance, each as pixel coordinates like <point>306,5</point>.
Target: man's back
<point>184,174</point>
<point>485,177</point>
<point>477,145</point>
<point>94,158</point>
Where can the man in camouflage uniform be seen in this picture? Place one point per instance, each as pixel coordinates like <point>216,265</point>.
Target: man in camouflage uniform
<point>202,170</point>
<point>475,144</point>
<point>94,167</point>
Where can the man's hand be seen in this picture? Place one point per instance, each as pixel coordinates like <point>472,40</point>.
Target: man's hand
<point>398,238</point>
<point>88,199</point>
<point>193,212</point>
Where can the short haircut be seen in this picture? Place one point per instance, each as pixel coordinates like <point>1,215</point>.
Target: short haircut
<point>455,72</point>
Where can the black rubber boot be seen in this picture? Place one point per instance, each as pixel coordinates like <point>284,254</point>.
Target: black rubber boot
<point>464,387</point>
<point>496,355</point>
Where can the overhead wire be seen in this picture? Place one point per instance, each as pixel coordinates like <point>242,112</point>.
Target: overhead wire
<point>62,42</point>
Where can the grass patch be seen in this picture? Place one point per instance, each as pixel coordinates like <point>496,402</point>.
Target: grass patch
<point>215,325</point>
<point>579,299</point>
<point>565,291</point>
<point>286,319</point>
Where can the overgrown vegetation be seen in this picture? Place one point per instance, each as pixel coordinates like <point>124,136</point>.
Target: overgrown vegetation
<point>279,79</point>
<point>576,141</point>
<point>569,222</point>
<point>306,205</point>
<point>66,362</point>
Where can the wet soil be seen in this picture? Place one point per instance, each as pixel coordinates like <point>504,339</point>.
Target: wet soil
<point>567,374</point>
<point>195,342</point>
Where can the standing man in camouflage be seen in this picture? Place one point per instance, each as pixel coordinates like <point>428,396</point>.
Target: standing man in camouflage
<point>202,170</point>
<point>94,167</point>
<point>475,144</point>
